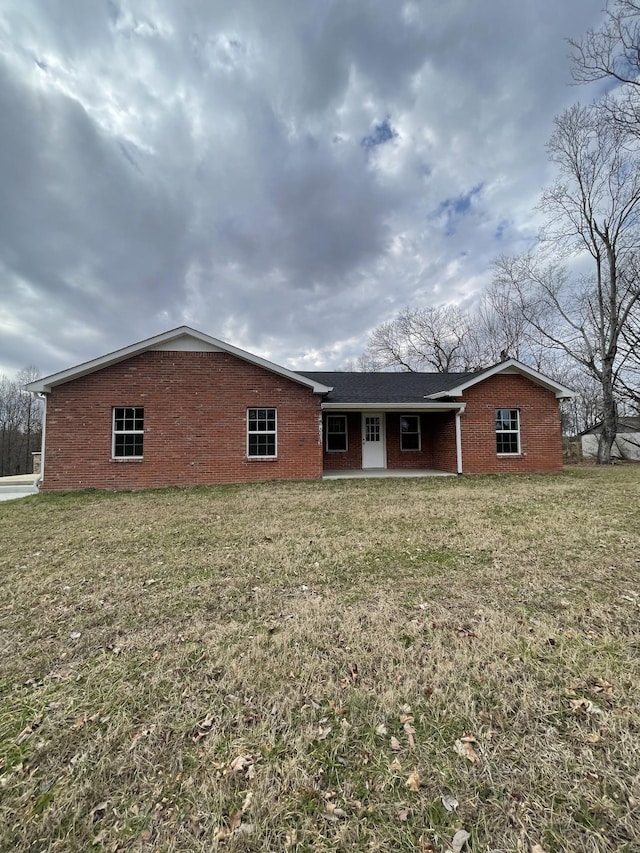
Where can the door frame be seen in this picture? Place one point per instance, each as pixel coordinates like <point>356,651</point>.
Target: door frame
<point>383,437</point>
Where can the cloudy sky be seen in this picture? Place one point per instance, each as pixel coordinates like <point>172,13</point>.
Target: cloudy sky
<point>281,174</point>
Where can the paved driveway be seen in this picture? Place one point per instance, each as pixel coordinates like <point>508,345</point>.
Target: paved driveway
<point>12,488</point>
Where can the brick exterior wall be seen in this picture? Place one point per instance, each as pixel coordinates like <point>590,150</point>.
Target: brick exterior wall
<point>540,430</point>
<point>194,420</point>
<point>351,458</point>
<point>443,426</point>
<point>412,459</point>
<point>195,406</point>
<point>540,433</point>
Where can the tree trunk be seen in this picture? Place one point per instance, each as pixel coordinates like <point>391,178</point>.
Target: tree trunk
<point>609,415</point>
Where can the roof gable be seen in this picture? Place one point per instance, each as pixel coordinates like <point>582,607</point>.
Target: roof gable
<point>182,339</point>
<point>510,366</point>
<point>413,387</point>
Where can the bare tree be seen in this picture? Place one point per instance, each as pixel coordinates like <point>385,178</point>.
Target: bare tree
<point>446,338</point>
<point>422,339</point>
<point>629,374</point>
<point>612,53</point>
<point>592,210</point>
<point>20,423</point>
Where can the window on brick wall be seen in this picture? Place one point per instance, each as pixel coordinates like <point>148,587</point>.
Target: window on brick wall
<point>409,432</point>
<point>261,433</point>
<point>128,432</point>
<point>508,431</point>
<point>336,432</point>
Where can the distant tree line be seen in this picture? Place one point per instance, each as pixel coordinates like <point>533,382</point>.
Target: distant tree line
<point>571,307</point>
<point>20,424</point>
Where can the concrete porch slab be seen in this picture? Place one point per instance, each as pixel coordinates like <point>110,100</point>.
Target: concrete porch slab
<point>377,473</point>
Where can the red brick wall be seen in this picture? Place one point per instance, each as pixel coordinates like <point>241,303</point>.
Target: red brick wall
<point>351,458</point>
<point>417,459</point>
<point>194,418</point>
<point>540,432</point>
<point>443,426</point>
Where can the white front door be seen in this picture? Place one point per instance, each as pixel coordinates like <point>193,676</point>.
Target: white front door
<point>373,441</point>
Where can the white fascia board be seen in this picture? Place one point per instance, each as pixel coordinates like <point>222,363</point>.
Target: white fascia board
<point>394,407</point>
<point>510,366</point>
<point>43,386</point>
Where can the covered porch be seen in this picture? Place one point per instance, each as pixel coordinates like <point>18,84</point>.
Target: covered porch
<point>405,439</point>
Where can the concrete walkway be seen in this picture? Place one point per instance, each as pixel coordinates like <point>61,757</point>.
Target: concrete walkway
<point>19,486</point>
<point>376,473</point>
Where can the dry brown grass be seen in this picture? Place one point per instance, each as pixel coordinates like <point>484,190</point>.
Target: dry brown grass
<point>226,668</point>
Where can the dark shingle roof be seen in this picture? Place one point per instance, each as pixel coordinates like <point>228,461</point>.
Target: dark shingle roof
<point>358,387</point>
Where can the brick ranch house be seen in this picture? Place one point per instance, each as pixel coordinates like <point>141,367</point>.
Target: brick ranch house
<point>183,408</point>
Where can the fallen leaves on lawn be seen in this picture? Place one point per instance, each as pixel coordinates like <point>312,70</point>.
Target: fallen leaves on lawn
<point>465,747</point>
<point>333,813</point>
<point>601,685</point>
<point>459,840</point>
<point>290,838</point>
<point>337,710</point>
<point>381,729</point>
<point>202,728</point>
<point>413,781</point>
<point>584,706</point>
<point>395,744</point>
<point>450,803</point>
<point>407,724</point>
<point>242,764</point>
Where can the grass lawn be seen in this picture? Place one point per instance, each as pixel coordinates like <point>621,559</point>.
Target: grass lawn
<point>342,666</point>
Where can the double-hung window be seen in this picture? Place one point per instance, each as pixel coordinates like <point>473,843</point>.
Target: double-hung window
<point>336,428</point>
<point>409,432</point>
<point>261,433</point>
<point>508,431</point>
<point>128,432</point>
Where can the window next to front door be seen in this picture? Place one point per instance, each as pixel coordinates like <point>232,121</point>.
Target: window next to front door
<point>336,433</point>
<point>409,432</point>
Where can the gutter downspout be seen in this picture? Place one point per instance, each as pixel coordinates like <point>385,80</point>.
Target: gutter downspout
<point>458,442</point>
<point>40,476</point>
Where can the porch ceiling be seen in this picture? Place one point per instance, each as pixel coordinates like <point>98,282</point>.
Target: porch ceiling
<point>440,406</point>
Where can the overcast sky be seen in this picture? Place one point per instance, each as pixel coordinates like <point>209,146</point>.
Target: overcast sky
<point>281,174</point>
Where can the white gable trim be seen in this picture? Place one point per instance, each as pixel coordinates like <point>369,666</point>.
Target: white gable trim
<point>507,367</point>
<point>185,339</point>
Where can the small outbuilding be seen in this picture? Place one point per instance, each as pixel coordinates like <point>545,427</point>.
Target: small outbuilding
<point>625,446</point>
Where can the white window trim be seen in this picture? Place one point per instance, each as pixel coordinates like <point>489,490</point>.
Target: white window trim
<point>273,432</point>
<point>346,434</point>
<point>115,432</point>
<point>411,449</point>
<point>515,432</point>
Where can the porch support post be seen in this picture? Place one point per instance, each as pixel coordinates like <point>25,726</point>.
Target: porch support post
<point>458,443</point>
<point>43,439</point>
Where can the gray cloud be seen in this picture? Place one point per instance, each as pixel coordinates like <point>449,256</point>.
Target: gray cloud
<point>284,176</point>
